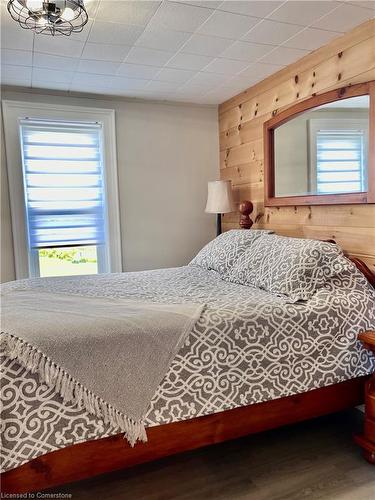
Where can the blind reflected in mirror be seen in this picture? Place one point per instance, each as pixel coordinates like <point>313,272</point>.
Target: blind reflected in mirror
<point>324,150</point>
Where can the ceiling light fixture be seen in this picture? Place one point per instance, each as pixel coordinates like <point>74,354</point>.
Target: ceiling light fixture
<point>59,17</point>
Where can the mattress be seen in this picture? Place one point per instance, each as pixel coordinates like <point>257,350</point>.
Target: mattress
<point>248,346</point>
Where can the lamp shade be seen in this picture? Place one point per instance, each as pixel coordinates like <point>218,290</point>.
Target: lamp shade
<point>219,199</point>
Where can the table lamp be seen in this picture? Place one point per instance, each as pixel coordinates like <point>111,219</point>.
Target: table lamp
<point>219,200</point>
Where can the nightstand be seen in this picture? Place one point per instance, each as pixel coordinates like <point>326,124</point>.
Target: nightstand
<point>367,439</point>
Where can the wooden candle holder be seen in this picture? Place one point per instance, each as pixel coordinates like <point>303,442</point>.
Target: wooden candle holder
<point>245,208</point>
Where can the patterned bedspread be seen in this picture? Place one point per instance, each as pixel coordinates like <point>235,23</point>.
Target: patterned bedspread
<point>248,346</point>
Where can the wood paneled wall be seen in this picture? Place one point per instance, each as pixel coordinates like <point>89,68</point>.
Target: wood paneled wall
<point>348,59</point>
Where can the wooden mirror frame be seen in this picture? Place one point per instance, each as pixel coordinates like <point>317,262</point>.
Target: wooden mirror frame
<point>270,200</point>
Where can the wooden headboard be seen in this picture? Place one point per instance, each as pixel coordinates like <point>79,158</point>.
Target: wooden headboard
<point>364,269</point>
<point>245,208</point>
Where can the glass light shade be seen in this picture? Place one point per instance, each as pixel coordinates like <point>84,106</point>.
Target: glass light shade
<point>68,14</point>
<point>34,4</point>
<point>220,198</point>
<point>58,17</point>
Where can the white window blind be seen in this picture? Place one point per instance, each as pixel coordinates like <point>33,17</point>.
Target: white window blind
<point>340,161</point>
<point>63,182</point>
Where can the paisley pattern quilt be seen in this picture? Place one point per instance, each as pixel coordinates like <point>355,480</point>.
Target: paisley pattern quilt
<point>248,346</point>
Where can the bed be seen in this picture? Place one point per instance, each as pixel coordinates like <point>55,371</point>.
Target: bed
<point>253,360</point>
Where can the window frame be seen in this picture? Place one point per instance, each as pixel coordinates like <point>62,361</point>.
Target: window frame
<point>347,124</point>
<point>26,264</point>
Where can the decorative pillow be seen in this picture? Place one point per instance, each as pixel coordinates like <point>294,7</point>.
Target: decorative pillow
<point>291,267</point>
<point>222,252</point>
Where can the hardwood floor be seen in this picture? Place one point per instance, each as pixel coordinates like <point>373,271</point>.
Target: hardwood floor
<point>312,460</point>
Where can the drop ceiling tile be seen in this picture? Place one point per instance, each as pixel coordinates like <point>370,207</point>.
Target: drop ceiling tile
<point>283,55</point>
<point>227,25</point>
<point>16,75</point>
<point>61,46</point>
<point>206,45</point>
<point>98,67</point>
<point>138,71</point>
<point>209,79</point>
<point>191,91</point>
<point>174,75</point>
<point>365,4</point>
<point>302,12</point>
<point>141,55</point>
<point>344,18</point>
<point>259,71</point>
<point>271,32</point>
<point>234,87</point>
<point>16,57</point>
<point>311,39</point>
<point>200,89</point>
<point>239,83</point>
<point>258,8</point>
<point>220,94</point>
<point>128,83</point>
<point>164,95</point>
<point>179,17</point>
<point>91,7</point>
<point>84,79</point>
<point>208,4</point>
<point>189,61</point>
<point>162,39</point>
<point>54,62</point>
<point>226,66</point>
<point>159,86</point>
<point>193,100</point>
<point>246,51</point>
<point>52,75</point>
<point>114,33</point>
<point>12,35</point>
<point>82,36</point>
<point>138,13</point>
<point>105,52</point>
<point>155,95</point>
<point>194,89</point>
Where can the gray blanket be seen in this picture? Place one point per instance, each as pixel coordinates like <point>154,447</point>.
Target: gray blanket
<point>106,354</point>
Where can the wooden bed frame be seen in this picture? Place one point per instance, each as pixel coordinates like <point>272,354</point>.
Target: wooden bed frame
<point>84,460</point>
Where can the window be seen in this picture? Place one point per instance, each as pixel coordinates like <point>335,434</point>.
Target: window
<point>338,155</point>
<point>66,174</point>
<point>340,161</point>
<point>64,196</point>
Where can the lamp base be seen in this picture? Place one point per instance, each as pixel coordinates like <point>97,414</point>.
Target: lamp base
<point>218,224</point>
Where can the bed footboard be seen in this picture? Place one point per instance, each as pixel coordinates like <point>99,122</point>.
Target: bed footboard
<point>92,458</point>
<point>367,439</point>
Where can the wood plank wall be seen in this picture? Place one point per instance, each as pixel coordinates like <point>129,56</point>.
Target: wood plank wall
<point>346,60</point>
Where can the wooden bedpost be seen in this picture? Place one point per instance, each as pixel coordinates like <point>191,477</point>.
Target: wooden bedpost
<point>245,208</point>
<point>367,439</point>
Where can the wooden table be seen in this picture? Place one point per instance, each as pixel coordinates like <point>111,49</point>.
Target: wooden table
<point>367,439</point>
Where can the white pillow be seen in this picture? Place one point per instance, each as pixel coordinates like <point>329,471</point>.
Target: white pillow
<point>292,267</point>
<point>222,253</point>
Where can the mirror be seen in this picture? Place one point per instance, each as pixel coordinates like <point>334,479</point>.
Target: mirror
<point>319,151</point>
<point>324,150</point>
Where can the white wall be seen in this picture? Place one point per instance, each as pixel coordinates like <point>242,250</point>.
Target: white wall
<point>166,154</point>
